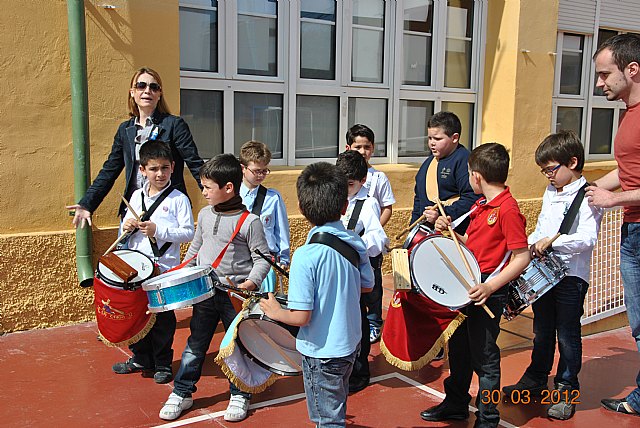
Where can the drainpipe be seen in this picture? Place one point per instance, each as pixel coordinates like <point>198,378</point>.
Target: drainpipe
<point>80,131</point>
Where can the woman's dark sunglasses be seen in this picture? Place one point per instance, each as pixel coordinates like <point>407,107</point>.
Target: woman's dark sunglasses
<point>141,86</point>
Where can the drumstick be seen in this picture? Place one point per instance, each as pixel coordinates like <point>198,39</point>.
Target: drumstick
<point>272,263</point>
<point>273,344</point>
<point>250,293</point>
<point>115,243</point>
<point>548,244</point>
<point>459,248</point>
<point>411,226</point>
<point>133,212</point>
<point>459,276</point>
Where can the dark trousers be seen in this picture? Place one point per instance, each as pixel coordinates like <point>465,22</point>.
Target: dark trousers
<point>204,320</point>
<point>361,365</point>
<point>373,300</point>
<point>558,312</point>
<point>155,351</point>
<point>473,348</point>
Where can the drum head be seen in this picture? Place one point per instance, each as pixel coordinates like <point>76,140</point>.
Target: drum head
<point>433,277</point>
<point>133,258</point>
<point>270,345</point>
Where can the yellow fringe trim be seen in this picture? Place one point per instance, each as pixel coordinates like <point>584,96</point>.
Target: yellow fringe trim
<point>425,359</point>
<point>228,350</point>
<point>134,339</point>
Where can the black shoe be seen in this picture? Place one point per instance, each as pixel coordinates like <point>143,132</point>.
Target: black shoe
<point>162,375</point>
<point>357,384</point>
<point>617,406</point>
<point>444,412</point>
<point>533,388</point>
<point>440,355</point>
<point>128,367</point>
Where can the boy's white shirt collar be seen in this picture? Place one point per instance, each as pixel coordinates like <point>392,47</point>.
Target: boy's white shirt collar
<point>569,188</point>
<point>363,193</point>
<point>147,185</point>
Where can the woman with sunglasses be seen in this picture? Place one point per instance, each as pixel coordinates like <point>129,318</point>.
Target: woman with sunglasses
<point>149,120</point>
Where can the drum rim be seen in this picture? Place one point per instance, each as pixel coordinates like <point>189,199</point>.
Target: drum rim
<point>191,273</point>
<point>181,304</point>
<point>255,359</point>
<point>419,289</point>
<point>413,232</point>
<point>131,285</point>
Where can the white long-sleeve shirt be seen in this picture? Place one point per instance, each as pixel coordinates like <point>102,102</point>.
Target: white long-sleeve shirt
<point>174,223</point>
<point>576,246</point>
<point>374,236</point>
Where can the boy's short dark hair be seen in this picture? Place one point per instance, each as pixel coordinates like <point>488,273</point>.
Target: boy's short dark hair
<point>352,164</point>
<point>155,149</point>
<point>254,151</point>
<point>491,160</point>
<point>322,193</point>
<point>625,49</point>
<point>449,122</point>
<point>561,147</point>
<point>223,169</point>
<point>359,130</point>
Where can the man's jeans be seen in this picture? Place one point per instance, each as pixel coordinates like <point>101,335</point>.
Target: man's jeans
<point>326,385</point>
<point>558,310</point>
<point>204,321</point>
<point>630,271</point>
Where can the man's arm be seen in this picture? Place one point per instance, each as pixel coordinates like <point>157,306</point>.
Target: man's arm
<point>601,194</point>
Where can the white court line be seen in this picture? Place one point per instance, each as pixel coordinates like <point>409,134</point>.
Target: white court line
<point>399,376</point>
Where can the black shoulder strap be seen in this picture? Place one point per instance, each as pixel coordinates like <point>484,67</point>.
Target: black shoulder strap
<point>571,214</point>
<point>345,250</point>
<point>355,215</point>
<point>257,204</point>
<point>157,252</point>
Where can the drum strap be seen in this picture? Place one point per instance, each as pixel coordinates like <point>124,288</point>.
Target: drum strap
<point>259,202</point>
<point>355,215</point>
<point>431,183</point>
<point>157,252</point>
<point>572,212</point>
<point>345,250</point>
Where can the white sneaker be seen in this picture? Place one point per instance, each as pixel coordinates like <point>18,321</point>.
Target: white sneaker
<point>174,407</point>
<point>237,408</point>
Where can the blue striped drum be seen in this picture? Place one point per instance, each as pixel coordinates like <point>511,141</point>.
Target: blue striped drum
<point>180,288</point>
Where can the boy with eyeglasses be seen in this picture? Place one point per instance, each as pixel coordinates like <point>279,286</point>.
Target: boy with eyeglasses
<point>558,311</point>
<point>265,203</point>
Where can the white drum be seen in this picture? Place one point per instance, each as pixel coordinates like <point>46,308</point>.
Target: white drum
<point>432,276</point>
<point>140,262</point>
<point>269,343</point>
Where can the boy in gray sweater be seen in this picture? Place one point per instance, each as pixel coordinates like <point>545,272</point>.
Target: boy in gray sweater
<point>221,178</point>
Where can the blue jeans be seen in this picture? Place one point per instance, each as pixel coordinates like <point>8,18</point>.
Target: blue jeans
<point>630,271</point>
<point>558,311</point>
<point>204,321</point>
<point>326,385</point>
<point>373,300</point>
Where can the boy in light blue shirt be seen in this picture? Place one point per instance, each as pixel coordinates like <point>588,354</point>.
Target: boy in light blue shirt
<point>324,295</point>
<point>265,203</point>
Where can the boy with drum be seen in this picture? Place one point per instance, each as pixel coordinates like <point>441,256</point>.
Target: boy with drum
<point>362,216</point>
<point>226,235</point>
<point>558,311</point>
<point>158,237</point>
<point>327,275</point>
<point>496,237</point>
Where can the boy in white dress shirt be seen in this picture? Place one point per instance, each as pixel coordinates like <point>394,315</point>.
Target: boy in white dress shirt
<point>362,216</point>
<point>558,311</point>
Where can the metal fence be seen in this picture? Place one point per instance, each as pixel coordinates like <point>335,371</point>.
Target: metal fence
<point>606,295</point>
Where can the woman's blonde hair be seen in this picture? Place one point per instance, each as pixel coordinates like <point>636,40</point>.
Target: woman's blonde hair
<point>162,106</point>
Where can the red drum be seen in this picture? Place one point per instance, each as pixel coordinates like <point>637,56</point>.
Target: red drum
<point>121,308</point>
<point>417,234</point>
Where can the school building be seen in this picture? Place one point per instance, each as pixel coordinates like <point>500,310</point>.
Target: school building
<point>294,75</point>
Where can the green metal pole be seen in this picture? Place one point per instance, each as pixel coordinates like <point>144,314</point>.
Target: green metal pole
<point>80,131</point>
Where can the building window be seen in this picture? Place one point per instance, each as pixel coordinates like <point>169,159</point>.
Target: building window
<point>317,127</point>
<point>466,113</point>
<point>571,69</point>
<point>257,42</point>
<point>318,39</point>
<point>413,127</point>
<point>199,35</point>
<point>367,52</point>
<point>202,110</point>
<point>417,42</point>
<point>373,112</point>
<point>258,117</point>
<point>458,53</point>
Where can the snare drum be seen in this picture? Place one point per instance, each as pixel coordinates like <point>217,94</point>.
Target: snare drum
<point>417,234</point>
<point>269,343</point>
<point>180,288</point>
<point>140,262</point>
<point>432,277</point>
<point>537,278</point>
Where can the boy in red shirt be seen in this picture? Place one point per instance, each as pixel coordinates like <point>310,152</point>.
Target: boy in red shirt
<point>496,231</point>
